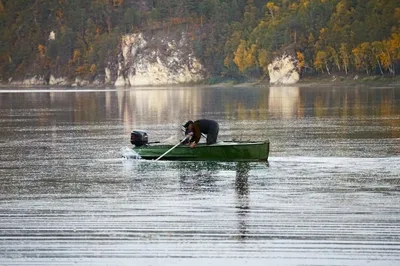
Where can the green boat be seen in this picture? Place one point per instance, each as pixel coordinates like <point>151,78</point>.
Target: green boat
<point>226,151</point>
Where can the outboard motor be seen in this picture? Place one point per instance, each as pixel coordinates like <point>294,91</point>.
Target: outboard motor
<point>139,138</point>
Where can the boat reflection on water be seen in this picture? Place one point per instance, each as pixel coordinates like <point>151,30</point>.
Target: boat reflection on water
<point>220,191</point>
<point>198,176</point>
<point>204,177</point>
<point>242,197</point>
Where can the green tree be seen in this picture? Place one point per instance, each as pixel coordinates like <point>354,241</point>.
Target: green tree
<point>131,20</point>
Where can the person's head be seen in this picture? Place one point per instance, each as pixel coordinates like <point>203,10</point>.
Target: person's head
<point>188,125</point>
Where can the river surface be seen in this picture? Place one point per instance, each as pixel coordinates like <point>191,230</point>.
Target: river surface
<point>72,194</point>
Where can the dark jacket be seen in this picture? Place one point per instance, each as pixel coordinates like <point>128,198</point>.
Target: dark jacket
<point>205,126</point>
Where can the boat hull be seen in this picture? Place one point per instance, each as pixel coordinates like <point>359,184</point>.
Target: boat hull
<point>223,151</point>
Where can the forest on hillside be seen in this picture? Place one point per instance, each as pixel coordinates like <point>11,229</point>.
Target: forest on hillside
<point>232,38</point>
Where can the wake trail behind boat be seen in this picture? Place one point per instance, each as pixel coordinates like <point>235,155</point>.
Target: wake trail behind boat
<point>128,153</point>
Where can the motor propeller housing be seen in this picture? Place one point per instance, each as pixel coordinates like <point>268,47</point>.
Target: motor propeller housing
<point>139,138</point>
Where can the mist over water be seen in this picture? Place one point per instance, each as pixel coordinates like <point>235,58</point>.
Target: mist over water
<point>72,192</point>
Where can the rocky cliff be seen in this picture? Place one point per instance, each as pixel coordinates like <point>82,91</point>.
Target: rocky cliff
<point>144,59</point>
<point>158,58</point>
<point>284,70</point>
<point>155,60</point>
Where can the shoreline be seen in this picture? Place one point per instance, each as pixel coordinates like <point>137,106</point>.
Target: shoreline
<point>320,81</point>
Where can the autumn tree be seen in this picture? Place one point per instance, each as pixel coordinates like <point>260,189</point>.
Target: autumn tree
<point>241,56</point>
<point>391,48</point>
<point>333,56</point>
<point>321,61</point>
<point>362,55</point>
<point>300,59</point>
<point>344,56</point>
<point>230,37</point>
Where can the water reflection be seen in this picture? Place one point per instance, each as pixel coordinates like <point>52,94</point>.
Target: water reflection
<point>244,113</point>
<point>284,101</point>
<point>198,176</point>
<point>242,197</point>
<point>64,191</point>
<point>143,106</point>
<point>195,177</point>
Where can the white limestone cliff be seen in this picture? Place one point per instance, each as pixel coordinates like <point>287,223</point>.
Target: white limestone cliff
<point>157,59</point>
<point>283,70</point>
<point>58,81</point>
<point>155,62</point>
<point>32,81</point>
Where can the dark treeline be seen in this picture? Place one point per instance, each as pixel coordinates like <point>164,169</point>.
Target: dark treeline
<point>233,38</point>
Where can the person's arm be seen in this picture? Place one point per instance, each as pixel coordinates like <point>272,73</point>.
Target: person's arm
<point>196,136</point>
<point>196,133</point>
<point>188,136</point>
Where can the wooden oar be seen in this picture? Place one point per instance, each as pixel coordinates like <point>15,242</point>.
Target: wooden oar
<point>162,155</point>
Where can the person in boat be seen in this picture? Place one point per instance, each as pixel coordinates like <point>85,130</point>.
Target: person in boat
<point>205,126</point>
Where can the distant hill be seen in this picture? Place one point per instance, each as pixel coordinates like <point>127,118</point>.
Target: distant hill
<point>233,39</point>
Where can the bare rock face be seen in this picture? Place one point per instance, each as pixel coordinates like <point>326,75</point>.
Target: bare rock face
<point>58,81</point>
<point>155,60</point>
<point>31,81</point>
<point>283,70</point>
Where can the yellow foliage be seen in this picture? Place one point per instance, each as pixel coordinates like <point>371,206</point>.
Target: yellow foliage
<point>76,55</point>
<point>381,57</point>
<point>300,57</point>
<point>333,55</point>
<point>385,57</point>
<point>344,55</point>
<point>245,58</point>
<point>263,60</point>
<point>323,32</point>
<point>1,7</point>
<point>322,39</point>
<point>86,69</point>
<point>92,69</point>
<point>273,9</point>
<point>293,6</point>
<point>367,52</point>
<point>320,60</point>
<point>41,49</point>
<point>270,5</point>
<point>395,46</point>
<point>390,52</point>
<point>98,30</point>
<point>397,13</point>
<point>117,2</point>
<point>81,70</point>
<point>251,56</point>
<point>59,14</point>
<point>358,57</point>
<point>305,3</point>
<point>240,55</point>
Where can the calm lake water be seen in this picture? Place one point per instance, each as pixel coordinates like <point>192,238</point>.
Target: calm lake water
<point>330,194</point>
